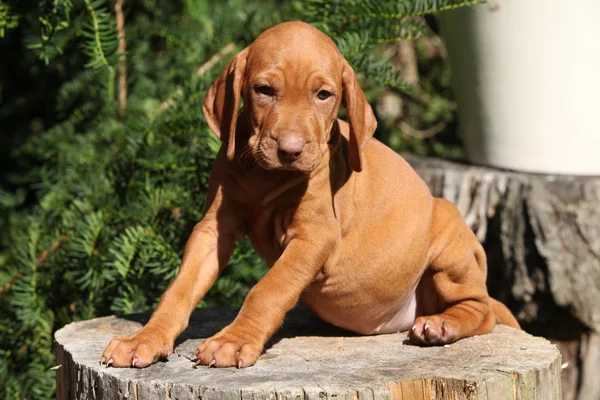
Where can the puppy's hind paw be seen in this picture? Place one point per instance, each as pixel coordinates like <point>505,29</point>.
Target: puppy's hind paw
<point>432,330</point>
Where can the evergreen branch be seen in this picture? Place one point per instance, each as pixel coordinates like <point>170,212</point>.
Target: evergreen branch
<point>125,248</point>
<point>207,66</point>
<point>51,249</point>
<point>332,12</point>
<point>55,17</point>
<point>8,20</point>
<point>416,8</point>
<point>72,93</point>
<point>14,280</point>
<point>98,51</point>
<point>39,259</point>
<point>122,48</point>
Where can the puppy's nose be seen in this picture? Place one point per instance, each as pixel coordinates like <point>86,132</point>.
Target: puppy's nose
<point>290,148</point>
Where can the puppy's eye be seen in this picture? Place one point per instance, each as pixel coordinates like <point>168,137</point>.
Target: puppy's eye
<point>324,95</point>
<point>264,89</point>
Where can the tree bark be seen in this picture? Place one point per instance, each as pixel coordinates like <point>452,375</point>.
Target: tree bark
<point>542,238</point>
<point>312,360</point>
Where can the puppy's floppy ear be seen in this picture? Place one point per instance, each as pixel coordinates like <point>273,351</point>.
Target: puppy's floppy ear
<point>221,104</point>
<point>360,117</point>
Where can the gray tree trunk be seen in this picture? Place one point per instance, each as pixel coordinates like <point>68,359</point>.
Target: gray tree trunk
<point>542,237</point>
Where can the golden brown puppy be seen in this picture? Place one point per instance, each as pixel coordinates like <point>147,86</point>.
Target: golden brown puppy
<point>344,223</point>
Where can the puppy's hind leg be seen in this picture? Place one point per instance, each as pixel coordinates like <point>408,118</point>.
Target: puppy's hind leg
<point>457,296</point>
<point>503,314</point>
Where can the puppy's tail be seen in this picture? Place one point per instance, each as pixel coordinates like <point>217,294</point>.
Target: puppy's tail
<point>503,314</point>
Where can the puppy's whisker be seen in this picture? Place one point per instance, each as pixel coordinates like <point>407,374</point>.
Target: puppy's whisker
<point>335,153</point>
<point>247,157</point>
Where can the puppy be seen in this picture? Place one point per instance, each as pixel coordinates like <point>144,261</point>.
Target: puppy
<point>344,223</point>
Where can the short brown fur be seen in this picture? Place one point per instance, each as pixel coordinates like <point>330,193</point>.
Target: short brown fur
<point>345,224</point>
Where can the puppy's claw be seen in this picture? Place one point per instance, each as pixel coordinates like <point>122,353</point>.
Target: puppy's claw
<point>103,360</point>
<point>135,360</point>
<point>212,363</point>
<point>109,363</point>
<point>240,363</point>
<point>198,362</point>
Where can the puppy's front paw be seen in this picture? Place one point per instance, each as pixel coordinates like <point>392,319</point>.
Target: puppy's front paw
<point>229,348</point>
<point>433,330</point>
<point>138,350</point>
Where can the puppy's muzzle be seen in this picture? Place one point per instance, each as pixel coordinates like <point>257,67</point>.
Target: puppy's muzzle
<point>289,149</point>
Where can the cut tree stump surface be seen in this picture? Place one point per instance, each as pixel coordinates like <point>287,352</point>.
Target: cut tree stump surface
<point>309,359</point>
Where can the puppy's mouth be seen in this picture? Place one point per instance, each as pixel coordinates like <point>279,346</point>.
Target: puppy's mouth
<point>271,159</point>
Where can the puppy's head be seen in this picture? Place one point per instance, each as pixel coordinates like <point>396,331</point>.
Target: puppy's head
<point>292,80</point>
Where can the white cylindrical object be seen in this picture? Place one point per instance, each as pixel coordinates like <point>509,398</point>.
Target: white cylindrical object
<point>526,75</point>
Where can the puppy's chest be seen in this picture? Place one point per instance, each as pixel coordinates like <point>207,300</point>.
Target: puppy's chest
<point>270,231</point>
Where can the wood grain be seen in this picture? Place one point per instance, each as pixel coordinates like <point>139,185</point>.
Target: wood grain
<point>309,359</point>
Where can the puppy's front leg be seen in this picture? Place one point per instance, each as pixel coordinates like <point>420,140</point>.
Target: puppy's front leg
<point>206,253</point>
<point>240,343</point>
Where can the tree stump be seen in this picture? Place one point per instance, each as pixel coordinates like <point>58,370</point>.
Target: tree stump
<point>542,237</point>
<point>309,359</point>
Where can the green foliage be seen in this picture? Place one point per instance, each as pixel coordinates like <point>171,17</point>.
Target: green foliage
<point>8,19</point>
<point>55,17</point>
<point>365,31</point>
<point>358,27</point>
<point>102,41</point>
<point>427,124</point>
<point>95,209</point>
